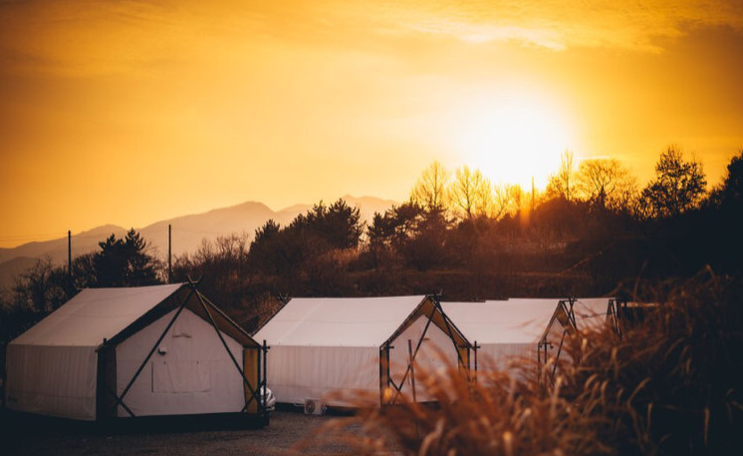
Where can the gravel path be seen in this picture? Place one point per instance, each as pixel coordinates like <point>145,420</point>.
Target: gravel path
<point>285,430</point>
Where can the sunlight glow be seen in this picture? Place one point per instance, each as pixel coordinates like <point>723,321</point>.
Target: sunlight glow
<point>514,139</point>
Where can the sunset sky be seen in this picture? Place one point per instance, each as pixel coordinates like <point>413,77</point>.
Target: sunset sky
<point>130,112</point>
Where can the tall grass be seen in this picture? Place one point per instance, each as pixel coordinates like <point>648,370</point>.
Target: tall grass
<point>671,385</point>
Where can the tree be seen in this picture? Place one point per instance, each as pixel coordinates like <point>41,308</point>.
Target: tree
<point>679,185</point>
<point>125,262</point>
<point>42,288</point>
<point>268,232</point>
<point>429,191</point>
<point>606,183</point>
<point>408,230</point>
<point>337,226</point>
<point>507,200</point>
<point>396,226</point>
<point>561,183</point>
<point>730,192</point>
<point>470,192</point>
<point>321,230</point>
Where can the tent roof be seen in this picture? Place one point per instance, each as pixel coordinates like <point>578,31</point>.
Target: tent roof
<point>337,322</point>
<point>590,313</point>
<point>521,321</point>
<point>95,314</point>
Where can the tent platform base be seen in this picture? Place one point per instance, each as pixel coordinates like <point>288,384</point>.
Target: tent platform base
<point>19,422</point>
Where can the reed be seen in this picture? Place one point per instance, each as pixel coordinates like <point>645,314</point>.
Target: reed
<point>671,384</point>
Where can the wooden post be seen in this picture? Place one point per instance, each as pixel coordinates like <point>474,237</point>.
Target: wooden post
<point>412,368</point>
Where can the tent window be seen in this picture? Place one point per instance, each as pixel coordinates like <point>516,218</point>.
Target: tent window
<point>180,376</point>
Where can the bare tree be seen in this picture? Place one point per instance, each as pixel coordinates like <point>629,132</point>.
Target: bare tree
<point>429,191</point>
<point>561,183</point>
<point>470,192</point>
<point>606,182</point>
<point>507,200</point>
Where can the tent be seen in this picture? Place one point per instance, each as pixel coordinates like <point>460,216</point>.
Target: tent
<point>505,331</point>
<point>150,351</point>
<point>591,314</point>
<point>588,314</point>
<point>322,345</point>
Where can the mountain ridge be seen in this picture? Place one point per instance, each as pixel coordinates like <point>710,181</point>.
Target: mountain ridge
<point>188,231</point>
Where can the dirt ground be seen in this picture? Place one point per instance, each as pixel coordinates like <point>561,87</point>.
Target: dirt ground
<point>286,429</point>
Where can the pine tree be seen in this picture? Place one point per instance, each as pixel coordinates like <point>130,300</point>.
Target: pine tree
<point>124,262</point>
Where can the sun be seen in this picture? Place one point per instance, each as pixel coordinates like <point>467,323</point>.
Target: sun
<point>514,139</point>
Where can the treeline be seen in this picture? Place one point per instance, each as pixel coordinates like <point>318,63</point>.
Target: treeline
<point>45,286</point>
<point>592,228</point>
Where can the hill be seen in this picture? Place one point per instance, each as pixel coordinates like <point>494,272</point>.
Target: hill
<point>188,232</point>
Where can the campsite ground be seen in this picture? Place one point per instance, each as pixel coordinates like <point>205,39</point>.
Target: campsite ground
<point>286,430</point>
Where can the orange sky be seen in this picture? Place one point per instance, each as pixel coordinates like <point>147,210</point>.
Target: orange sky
<point>129,112</point>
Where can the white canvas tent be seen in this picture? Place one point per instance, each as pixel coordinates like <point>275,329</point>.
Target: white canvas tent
<point>588,314</point>
<point>506,331</point>
<point>135,352</point>
<point>591,314</point>
<point>322,345</point>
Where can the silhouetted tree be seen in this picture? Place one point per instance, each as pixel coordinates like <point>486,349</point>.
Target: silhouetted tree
<point>561,183</point>
<point>721,223</point>
<point>426,248</point>
<point>408,230</point>
<point>125,262</point>
<point>396,226</point>
<point>322,229</point>
<point>606,183</point>
<point>679,185</point>
<point>730,191</point>
<point>336,226</point>
<point>42,288</point>
<point>264,250</point>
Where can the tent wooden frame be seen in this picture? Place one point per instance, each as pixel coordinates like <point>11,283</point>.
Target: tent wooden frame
<point>431,308</point>
<point>564,314</point>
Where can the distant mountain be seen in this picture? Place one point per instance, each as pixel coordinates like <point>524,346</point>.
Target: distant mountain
<point>9,270</point>
<point>56,249</point>
<point>188,232</point>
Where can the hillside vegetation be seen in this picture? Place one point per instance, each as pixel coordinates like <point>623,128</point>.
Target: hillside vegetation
<point>592,232</point>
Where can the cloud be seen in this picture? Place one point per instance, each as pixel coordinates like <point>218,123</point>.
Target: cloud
<point>559,25</point>
<point>84,37</point>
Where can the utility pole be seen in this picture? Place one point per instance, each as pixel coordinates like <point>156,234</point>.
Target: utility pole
<point>170,252</point>
<point>69,257</point>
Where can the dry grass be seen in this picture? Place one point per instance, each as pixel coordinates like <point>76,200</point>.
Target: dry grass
<point>671,385</point>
